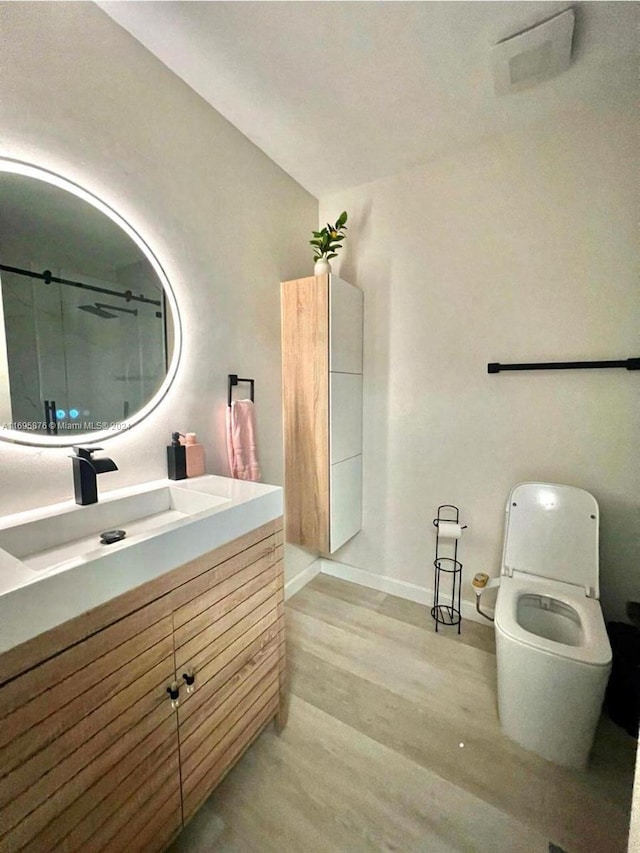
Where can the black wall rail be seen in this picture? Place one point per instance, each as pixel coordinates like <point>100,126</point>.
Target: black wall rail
<point>233,381</point>
<point>627,363</point>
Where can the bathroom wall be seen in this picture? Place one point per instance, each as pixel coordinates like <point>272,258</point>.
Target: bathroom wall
<point>522,249</point>
<point>81,97</point>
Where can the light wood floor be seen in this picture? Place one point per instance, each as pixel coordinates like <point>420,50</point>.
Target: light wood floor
<point>393,744</point>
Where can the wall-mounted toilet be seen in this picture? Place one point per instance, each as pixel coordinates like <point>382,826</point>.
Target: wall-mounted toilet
<point>552,648</point>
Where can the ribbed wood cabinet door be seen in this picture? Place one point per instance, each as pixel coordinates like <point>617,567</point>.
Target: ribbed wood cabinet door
<point>89,746</point>
<point>229,640</point>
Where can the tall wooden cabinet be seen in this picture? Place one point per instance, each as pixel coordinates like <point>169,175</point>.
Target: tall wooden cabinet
<point>322,409</point>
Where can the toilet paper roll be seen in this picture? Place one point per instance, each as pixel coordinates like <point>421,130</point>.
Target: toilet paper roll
<point>449,530</point>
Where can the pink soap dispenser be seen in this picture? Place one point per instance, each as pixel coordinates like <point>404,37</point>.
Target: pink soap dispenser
<point>195,455</point>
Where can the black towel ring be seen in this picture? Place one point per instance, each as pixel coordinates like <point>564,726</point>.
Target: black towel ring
<point>233,380</point>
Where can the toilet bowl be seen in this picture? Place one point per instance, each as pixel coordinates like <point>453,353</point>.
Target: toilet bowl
<point>552,649</point>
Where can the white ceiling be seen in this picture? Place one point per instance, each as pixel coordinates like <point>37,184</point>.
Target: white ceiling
<point>341,93</point>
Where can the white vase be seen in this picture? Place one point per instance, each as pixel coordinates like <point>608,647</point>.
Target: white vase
<point>322,267</point>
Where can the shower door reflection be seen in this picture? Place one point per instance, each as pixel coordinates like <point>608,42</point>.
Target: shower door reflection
<point>97,356</point>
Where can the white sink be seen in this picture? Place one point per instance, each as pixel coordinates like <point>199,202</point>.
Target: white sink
<point>69,532</point>
<point>54,567</point>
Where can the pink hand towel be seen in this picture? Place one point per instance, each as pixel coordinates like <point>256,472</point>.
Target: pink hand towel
<point>241,441</point>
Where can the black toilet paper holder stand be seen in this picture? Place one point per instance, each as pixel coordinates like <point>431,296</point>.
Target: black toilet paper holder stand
<point>446,606</point>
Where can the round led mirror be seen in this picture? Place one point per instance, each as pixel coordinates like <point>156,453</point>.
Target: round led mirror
<point>89,328</point>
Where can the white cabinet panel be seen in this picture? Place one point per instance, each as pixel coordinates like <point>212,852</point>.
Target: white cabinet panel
<point>346,501</point>
<point>345,326</point>
<point>345,415</point>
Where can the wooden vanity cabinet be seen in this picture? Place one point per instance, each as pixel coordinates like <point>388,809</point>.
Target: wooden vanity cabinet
<point>93,757</point>
<point>234,659</point>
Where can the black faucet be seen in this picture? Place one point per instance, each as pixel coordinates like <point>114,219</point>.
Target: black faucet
<point>85,471</point>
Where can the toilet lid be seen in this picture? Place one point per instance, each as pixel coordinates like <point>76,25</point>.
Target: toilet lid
<point>552,532</point>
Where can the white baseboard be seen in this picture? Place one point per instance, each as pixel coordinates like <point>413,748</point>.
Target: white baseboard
<point>392,586</point>
<point>302,578</point>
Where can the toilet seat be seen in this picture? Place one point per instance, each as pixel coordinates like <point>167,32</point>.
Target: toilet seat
<point>594,649</point>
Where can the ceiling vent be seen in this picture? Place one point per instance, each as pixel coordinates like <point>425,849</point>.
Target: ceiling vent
<point>533,55</point>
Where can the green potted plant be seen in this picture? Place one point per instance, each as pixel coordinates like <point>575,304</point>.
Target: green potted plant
<point>326,244</point>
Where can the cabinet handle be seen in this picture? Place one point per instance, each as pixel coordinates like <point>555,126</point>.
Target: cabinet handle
<point>189,679</point>
<point>174,695</point>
